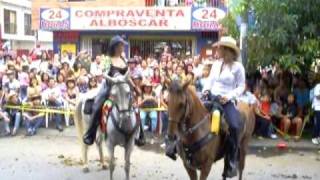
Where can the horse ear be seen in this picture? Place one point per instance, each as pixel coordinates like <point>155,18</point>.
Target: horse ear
<point>186,84</point>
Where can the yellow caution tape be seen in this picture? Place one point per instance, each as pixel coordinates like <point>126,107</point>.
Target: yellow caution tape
<point>41,109</point>
<point>154,109</point>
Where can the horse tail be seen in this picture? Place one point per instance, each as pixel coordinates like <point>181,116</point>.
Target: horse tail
<point>78,121</point>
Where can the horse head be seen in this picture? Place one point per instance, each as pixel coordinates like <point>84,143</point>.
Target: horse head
<point>120,93</point>
<point>178,110</point>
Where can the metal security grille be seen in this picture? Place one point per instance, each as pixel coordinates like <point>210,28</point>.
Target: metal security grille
<point>144,48</point>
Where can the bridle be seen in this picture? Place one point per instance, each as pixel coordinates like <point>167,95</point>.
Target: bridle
<point>127,134</point>
<point>130,109</point>
<point>186,117</point>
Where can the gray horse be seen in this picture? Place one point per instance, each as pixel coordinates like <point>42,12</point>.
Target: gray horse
<point>122,124</point>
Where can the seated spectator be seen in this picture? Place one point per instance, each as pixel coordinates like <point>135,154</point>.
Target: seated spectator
<point>181,73</point>
<point>203,80</point>
<point>263,118</point>
<point>301,92</point>
<point>145,70</point>
<point>71,93</point>
<point>44,64</point>
<point>156,78</point>
<point>53,98</point>
<point>64,69</point>
<point>82,84</point>
<point>3,114</point>
<point>61,84</point>
<point>13,84</point>
<point>77,69</point>
<point>148,100</point>
<point>34,120</point>
<point>96,65</point>
<point>137,80</point>
<point>290,109</point>
<point>99,78</point>
<point>164,103</point>
<point>24,82</point>
<point>44,81</point>
<point>34,87</point>
<point>14,114</point>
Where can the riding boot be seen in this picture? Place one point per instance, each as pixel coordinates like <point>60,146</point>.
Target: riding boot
<point>95,118</point>
<point>233,155</point>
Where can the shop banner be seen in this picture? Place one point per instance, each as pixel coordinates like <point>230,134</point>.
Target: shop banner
<point>206,18</point>
<point>55,19</point>
<point>131,18</point>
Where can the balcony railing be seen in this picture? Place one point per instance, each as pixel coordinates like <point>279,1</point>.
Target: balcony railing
<point>206,3</point>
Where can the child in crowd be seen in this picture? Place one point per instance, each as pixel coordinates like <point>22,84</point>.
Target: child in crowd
<point>290,110</point>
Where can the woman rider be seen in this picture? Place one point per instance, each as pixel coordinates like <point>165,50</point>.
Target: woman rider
<point>118,65</point>
<point>227,81</point>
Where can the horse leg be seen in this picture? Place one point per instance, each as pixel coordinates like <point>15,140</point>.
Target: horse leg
<point>205,170</point>
<point>99,146</point>
<point>111,155</point>
<point>84,149</point>
<point>242,158</point>
<point>127,156</point>
<point>191,172</point>
<point>225,167</point>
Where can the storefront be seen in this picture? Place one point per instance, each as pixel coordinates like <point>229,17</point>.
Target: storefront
<point>186,30</point>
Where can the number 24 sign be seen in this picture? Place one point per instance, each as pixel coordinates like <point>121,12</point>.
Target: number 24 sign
<point>208,14</point>
<point>55,14</point>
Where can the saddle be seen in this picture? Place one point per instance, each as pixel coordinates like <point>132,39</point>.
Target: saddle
<point>88,106</point>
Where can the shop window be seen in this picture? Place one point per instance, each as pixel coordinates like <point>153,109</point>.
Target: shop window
<point>10,21</point>
<point>145,48</point>
<point>27,25</point>
<point>162,3</point>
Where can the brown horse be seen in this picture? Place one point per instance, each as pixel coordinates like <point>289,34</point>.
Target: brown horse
<point>189,129</point>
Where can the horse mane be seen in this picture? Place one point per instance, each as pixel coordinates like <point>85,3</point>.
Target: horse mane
<point>196,103</point>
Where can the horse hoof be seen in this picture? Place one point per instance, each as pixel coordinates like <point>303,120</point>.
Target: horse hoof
<point>85,170</point>
<point>104,167</point>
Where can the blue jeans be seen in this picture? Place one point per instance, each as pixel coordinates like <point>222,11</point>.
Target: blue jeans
<point>16,118</point>
<point>153,117</point>
<point>165,121</point>
<point>34,124</point>
<point>316,124</point>
<point>23,92</point>
<point>56,117</point>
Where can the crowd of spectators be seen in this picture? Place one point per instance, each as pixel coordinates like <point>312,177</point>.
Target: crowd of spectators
<point>280,99</point>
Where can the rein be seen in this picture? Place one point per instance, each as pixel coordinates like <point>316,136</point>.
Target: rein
<point>129,110</point>
<point>190,150</point>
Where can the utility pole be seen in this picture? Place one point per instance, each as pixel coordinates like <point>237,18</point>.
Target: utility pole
<point>244,33</point>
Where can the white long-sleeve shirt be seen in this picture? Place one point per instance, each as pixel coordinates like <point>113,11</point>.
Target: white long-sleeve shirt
<point>316,101</point>
<point>230,83</point>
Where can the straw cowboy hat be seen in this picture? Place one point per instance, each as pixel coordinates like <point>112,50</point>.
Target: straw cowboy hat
<point>228,41</point>
<point>11,95</point>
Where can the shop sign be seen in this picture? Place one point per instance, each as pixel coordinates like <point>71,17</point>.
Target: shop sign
<point>206,18</point>
<point>116,18</point>
<point>131,18</point>
<point>54,19</point>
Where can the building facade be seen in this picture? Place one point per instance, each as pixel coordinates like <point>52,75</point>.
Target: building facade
<point>185,26</point>
<point>16,27</point>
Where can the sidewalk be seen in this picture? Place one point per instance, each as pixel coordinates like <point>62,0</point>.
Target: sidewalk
<point>303,144</point>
